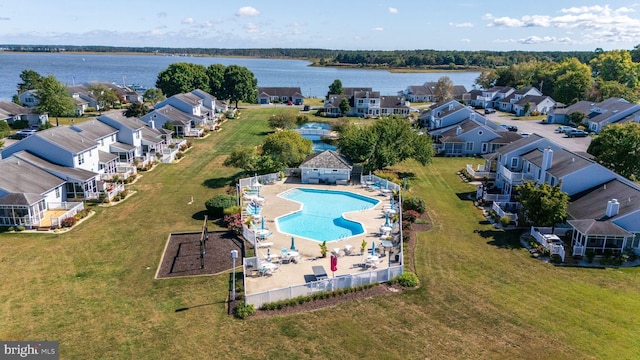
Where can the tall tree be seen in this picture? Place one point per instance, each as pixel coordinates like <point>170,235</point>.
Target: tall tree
<point>183,77</point>
<point>216,80</point>
<point>443,89</point>
<point>335,88</point>
<point>282,120</point>
<point>107,98</point>
<point>136,109</point>
<point>239,84</point>
<point>54,98</point>
<point>344,106</point>
<point>153,96</point>
<point>544,205</point>
<point>618,148</point>
<point>30,80</point>
<point>245,158</point>
<point>573,78</point>
<point>384,143</point>
<point>616,65</point>
<point>287,148</point>
<point>487,78</point>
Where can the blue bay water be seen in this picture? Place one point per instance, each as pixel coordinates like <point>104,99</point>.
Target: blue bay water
<point>144,69</point>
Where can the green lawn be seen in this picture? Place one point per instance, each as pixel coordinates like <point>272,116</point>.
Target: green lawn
<point>482,296</point>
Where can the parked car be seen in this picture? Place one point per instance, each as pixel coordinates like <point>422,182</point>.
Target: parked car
<point>563,129</point>
<point>19,135</point>
<point>306,108</point>
<point>489,111</point>
<point>509,127</point>
<point>577,133</point>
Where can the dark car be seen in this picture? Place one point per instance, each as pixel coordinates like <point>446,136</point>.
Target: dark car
<point>509,127</point>
<point>489,111</point>
<point>577,133</point>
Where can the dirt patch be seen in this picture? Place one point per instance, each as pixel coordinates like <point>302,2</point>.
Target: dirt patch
<point>422,224</point>
<point>182,254</point>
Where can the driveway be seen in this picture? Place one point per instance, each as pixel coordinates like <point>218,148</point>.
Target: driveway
<point>543,129</point>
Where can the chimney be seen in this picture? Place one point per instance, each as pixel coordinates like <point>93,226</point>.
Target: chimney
<point>547,159</point>
<point>152,124</point>
<point>613,206</point>
<point>472,116</point>
<point>458,130</point>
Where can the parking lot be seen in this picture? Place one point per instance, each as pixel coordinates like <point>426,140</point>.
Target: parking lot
<point>576,144</point>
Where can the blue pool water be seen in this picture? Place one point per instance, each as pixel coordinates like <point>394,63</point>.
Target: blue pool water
<point>321,215</point>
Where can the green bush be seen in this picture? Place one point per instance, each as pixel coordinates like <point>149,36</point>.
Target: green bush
<point>11,228</point>
<point>407,279</point>
<point>20,124</point>
<point>216,205</point>
<point>232,210</point>
<point>244,310</point>
<point>555,259</point>
<point>505,220</point>
<point>68,222</point>
<point>414,203</point>
<point>21,228</point>
<point>590,254</point>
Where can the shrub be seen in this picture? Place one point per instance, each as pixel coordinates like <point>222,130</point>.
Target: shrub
<point>414,203</point>
<point>590,254</point>
<point>505,220</point>
<point>20,124</point>
<point>11,228</point>
<point>244,310</point>
<point>216,205</point>
<point>21,228</point>
<point>407,279</point>
<point>233,222</point>
<point>68,222</point>
<point>183,147</point>
<point>179,155</point>
<point>410,215</point>
<point>232,210</point>
<point>555,259</point>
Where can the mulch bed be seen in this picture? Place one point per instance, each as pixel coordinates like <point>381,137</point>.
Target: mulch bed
<point>182,255</point>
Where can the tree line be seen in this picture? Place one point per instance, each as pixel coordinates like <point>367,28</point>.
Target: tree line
<point>426,58</point>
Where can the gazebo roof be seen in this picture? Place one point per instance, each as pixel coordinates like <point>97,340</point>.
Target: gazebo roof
<point>327,159</point>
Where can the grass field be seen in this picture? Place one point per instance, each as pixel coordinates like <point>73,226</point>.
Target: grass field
<point>482,296</point>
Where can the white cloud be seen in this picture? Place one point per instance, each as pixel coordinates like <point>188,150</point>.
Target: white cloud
<point>378,29</point>
<point>465,40</point>
<point>466,24</point>
<point>393,10</point>
<point>207,24</point>
<point>487,16</point>
<point>188,21</point>
<point>247,11</point>
<point>594,23</point>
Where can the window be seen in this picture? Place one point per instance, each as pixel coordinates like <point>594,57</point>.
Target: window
<point>81,159</point>
<point>101,142</point>
<point>137,134</point>
<point>485,147</point>
<point>58,192</point>
<point>514,162</point>
<point>469,146</point>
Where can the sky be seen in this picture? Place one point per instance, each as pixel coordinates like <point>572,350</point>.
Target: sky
<point>560,25</point>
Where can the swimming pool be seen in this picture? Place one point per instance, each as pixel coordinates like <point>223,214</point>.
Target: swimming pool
<point>321,218</point>
<point>315,126</point>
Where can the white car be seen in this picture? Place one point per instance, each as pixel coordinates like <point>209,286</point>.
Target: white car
<point>563,129</point>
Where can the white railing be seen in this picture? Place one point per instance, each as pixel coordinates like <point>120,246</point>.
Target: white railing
<point>510,176</point>
<point>72,211</point>
<point>380,182</point>
<point>498,208</point>
<point>339,282</point>
<point>579,250</point>
<point>321,132</point>
<point>65,205</point>
<point>555,246</point>
<point>496,197</point>
<point>194,132</point>
<point>480,172</point>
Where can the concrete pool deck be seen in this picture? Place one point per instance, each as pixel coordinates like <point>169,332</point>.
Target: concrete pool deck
<point>294,273</point>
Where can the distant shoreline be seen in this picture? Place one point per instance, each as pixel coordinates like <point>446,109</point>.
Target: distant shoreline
<point>312,62</point>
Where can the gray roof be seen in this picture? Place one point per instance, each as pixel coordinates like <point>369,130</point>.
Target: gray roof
<point>366,94</point>
<point>519,143</point>
<point>535,99</point>
<point>151,135</point>
<point>177,116</point>
<point>594,227</point>
<point>18,176</point>
<point>581,106</point>
<point>118,116</point>
<point>10,109</point>
<point>105,157</point>
<point>327,159</point>
<point>335,100</point>
<point>280,91</point>
<point>21,199</point>
<point>94,129</point>
<point>64,171</point>
<point>563,162</point>
<point>350,91</point>
<point>67,139</point>
<point>122,146</point>
<point>612,107</point>
<point>506,137</point>
<point>592,203</point>
<point>392,102</point>
<point>189,98</point>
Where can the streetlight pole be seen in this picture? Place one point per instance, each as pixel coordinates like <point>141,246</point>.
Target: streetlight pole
<point>234,256</point>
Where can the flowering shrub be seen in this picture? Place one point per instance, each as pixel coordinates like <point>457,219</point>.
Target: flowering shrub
<point>68,222</point>
<point>410,215</point>
<point>233,222</point>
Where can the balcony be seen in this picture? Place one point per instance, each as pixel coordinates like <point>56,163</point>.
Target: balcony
<point>480,172</point>
<point>510,176</point>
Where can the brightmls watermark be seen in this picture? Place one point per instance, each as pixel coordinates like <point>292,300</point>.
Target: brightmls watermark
<point>38,350</point>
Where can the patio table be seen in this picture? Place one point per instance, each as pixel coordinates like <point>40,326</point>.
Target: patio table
<point>319,272</point>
